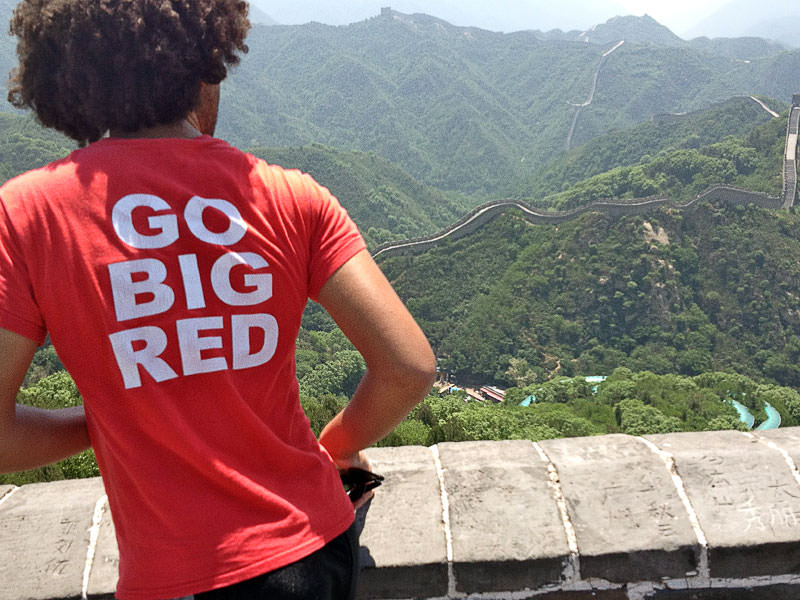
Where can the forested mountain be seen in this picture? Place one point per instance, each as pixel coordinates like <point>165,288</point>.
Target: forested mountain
<point>670,292</point>
<point>746,162</point>
<point>687,292</point>
<point>385,201</point>
<point>646,30</point>
<point>26,145</point>
<point>743,48</point>
<point>666,132</point>
<point>631,29</point>
<point>472,110</point>
<point>468,109</point>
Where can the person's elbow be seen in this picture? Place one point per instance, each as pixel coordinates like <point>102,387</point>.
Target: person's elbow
<point>422,373</point>
<point>414,372</point>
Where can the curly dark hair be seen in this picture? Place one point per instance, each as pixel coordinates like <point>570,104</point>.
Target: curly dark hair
<point>88,66</point>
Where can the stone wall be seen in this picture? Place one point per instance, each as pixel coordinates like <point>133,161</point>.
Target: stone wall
<point>480,216</point>
<point>727,195</point>
<point>790,159</point>
<point>677,516</point>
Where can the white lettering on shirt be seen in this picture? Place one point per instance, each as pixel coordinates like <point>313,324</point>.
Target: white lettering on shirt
<point>243,356</point>
<point>142,288</point>
<point>192,345</point>
<point>193,214</point>
<point>129,360</point>
<point>125,289</point>
<point>165,225</point>
<point>193,288</point>
<point>221,279</point>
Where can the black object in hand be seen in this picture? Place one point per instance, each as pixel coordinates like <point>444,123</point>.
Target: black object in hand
<point>359,481</point>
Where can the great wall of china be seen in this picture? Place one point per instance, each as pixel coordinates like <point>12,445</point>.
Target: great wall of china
<point>728,195</point>
<point>684,516</point>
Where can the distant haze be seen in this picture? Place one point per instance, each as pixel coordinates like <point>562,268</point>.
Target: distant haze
<point>499,15</point>
<point>776,19</point>
<point>681,16</point>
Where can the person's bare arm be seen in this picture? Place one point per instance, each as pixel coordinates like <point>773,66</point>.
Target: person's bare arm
<point>400,364</point>
<point>32,437</point>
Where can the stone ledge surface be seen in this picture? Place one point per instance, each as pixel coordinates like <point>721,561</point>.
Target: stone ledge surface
<point>506,528</point>
<point>604,517</point>
<point>628,518</point>
<point>746,498</point>
<point>44,529</point>
<point>403,547</point>
<point>4,489</point>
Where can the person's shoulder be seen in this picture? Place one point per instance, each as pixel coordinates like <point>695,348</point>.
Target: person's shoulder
<point>45,175</point>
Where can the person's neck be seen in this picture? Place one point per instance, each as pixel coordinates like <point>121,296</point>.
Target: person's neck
<point>181,129</point>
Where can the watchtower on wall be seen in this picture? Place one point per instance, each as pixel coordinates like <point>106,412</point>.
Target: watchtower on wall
<point>386,11</point>
<point>796,100</point>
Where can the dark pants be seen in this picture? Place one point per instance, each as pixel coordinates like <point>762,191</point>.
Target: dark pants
<point>328,574</point>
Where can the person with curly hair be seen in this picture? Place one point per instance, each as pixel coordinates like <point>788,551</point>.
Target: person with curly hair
<point>171,271</point>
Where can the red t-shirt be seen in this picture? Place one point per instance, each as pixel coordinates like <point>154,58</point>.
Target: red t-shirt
<point>171,276</point>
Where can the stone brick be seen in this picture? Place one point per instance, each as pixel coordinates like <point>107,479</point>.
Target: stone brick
<point>787,439</point>
<point>403,548</point>
<point>508,539</point>
<point>507,531</point>
<point>46,526</point>
<point>746,499</point>
<point>103,577</point>
<point>629,520</point>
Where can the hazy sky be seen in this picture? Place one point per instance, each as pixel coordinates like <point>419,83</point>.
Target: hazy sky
<point>678,15</point>
<point>686,18</point>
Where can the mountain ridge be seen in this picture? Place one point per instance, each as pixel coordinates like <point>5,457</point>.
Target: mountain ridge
<point>467,109</point>
<point>501,15</point>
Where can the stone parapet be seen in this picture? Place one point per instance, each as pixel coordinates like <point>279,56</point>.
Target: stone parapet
<point>678,516</point>
<point>480,216</point>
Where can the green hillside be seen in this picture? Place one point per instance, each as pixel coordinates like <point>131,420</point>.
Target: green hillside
<point>643,29</point>
<point>639,81</point>
<point>25,145</point>
<point>751,162</point>
<point>671,293</point>
<point>385,201</point>
<point>638,144</point>
<point>745,48</point>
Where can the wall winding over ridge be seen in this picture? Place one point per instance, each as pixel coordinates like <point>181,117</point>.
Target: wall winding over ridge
<point>728,195</point>
<point>685,516</point>
<point>477,218</point>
